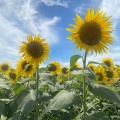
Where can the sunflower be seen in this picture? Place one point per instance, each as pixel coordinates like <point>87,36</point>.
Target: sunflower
<point>54,67</point>
<point>13,75</point>
<point>25,68</point>
<point>35,50</point>
<point>93,33</point>
<point>65,71</point>
<point>92,67</point>
<point>100,72</point>
<point>118,70</point>
<point>111,75</point>
<point>5,67</point>
<point>109,62</point>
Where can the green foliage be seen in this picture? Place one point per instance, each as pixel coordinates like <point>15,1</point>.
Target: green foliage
<point>105,92</point>
<point>17,88</point>
<point>62,100</point>
<point>73,60</point>
<point>97,116</point>
<point>23,104</point>
<point>2,104</point>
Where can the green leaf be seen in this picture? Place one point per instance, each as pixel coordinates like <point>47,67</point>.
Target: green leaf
<point>18,116</point>
<point>80,78</point>
<point>3,84</point>
<point>24,102</point>
<point>114,106</point>
<point>105,92</point>
<point>17,88</point>
<point>45,77</point>
<point>73,60</point>
<point>2,104</point>
<point>97,116</point>
<point>87,73</point>
<point>62,100</point>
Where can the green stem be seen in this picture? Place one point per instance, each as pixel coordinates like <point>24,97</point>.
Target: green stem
<point>84,88</point>
<point>37,82</point>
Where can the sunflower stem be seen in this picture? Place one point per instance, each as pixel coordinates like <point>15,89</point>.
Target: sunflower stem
<point>84,88</point>
<point>37,82</point>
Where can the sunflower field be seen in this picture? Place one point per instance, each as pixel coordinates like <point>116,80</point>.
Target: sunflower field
<point>56,92</point>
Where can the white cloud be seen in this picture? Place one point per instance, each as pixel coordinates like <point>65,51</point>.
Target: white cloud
<point>111,7</point>
<point>81,9</point>
<point>113,54</point>
<point>54,3</point>
<point>17,19</point>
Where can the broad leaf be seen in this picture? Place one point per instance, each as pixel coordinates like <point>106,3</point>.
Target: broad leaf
<point>62,100</point>
<point>73,60</point>
<point>45,77</point>
<point>87,73</point>
<point>17,88</point>
<point>105,92</point>
<point>24,102</point>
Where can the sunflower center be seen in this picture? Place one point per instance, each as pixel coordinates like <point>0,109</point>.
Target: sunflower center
<point>100,76</point>
<point>64,70</point>
<point>107,63</point>
<point>52,67</point>
<point>26,66</point>
<point>109,74</point>
<point>35,49</point>
<point>12,75</point>
<point>4,67</point>
<point>90,33</point>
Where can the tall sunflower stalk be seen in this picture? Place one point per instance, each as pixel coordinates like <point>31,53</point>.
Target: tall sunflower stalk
<point>93,35</point>
<point>37,102</point>
<point>84,87</point>
<point>35,51</point>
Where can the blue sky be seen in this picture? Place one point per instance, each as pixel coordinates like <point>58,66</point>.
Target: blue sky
<point>49,18</point>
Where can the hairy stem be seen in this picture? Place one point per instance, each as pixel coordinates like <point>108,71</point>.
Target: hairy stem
<point>37,82</point>
<point>84,88</point>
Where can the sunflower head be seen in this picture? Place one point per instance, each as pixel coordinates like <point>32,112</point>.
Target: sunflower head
<point>118,70</point>
<point>54,67</point>
<point>100,72</point>
<point>93,33</point>
<point>111,75</point>
<point>109,62</point>
<point>65,71</point>
<point>35,50</point>
<point>13,75</point>
<point>25,68</point>
<point>5,67</point>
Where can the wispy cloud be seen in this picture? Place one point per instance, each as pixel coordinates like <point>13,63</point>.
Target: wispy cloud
<point>54,3</point>
<point>111,8</point>
<point>81,9</point>
<point>17,19</point>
